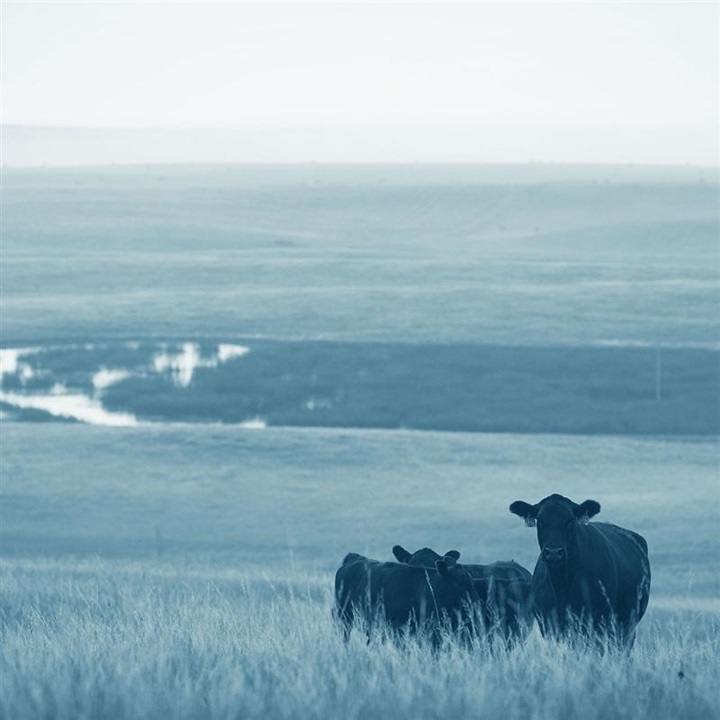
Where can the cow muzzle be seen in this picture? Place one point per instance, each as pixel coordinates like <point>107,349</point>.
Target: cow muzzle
<point>554,556</point>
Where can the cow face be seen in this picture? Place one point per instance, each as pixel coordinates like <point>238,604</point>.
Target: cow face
<point>556,518</point>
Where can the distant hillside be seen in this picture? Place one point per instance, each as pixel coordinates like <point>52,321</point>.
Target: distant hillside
<point>384,207</point>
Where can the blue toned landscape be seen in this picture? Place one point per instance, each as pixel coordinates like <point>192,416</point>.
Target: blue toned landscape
<point>218,380</point>
<point>501,299</point>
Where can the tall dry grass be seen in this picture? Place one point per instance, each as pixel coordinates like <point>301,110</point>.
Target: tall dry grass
<point>119,639</point>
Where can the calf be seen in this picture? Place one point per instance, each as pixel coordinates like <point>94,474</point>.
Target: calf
<point>504,588</point>
<point>406,598</point>
<point>595,576</point>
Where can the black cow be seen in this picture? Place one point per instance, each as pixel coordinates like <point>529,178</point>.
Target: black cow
<point>504,588</point>
<point>424,557</point>
<point>404,598</point>
<point>590,576</point>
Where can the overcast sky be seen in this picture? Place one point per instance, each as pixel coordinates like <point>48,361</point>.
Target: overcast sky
<point>607,82</point>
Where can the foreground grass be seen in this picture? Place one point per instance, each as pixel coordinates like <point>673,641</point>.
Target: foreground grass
<point>114,639</point>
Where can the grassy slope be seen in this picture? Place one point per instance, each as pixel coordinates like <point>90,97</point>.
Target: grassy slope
<point>101,639</point>
<point>225,612</point>
<point>282,496</point>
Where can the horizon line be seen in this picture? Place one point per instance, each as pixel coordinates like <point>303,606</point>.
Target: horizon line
<point>368,163</point>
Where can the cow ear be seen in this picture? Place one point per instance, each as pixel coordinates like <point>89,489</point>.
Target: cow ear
<point>449,560</point>
<point>442,567</point>
<point>586,510</point>
<point>526,511</point>
<point>454,554</point>
<point>401,554</point>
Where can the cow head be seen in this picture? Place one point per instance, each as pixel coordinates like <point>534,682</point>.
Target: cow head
<point>424,557</point>
<point>458,579</point>
<point>556,518</point>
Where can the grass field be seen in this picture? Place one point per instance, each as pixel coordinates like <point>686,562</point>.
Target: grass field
<point>182,568</point>
<point>148,639</point>
<point>186,572</point>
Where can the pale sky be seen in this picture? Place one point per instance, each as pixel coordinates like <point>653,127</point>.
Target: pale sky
<point>474,81</point>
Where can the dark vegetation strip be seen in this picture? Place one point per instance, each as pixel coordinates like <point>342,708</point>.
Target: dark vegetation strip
<point>470,388</point>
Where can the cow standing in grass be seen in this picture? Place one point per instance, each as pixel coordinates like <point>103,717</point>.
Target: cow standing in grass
<point>591,576</point>
<point>416,600</point>
<point>504,588</point>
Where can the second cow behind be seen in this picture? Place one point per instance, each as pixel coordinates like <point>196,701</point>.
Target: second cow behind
<point>427,601</point>
<point>504,590</point>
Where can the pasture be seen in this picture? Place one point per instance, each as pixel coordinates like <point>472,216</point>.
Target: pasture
<point>181,570</point>
<point>187,572</point>
<point>99,638</point>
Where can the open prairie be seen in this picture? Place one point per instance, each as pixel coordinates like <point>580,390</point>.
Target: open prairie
<point>128,639</point>
<point>186,571</point>
<point>216,382</point>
